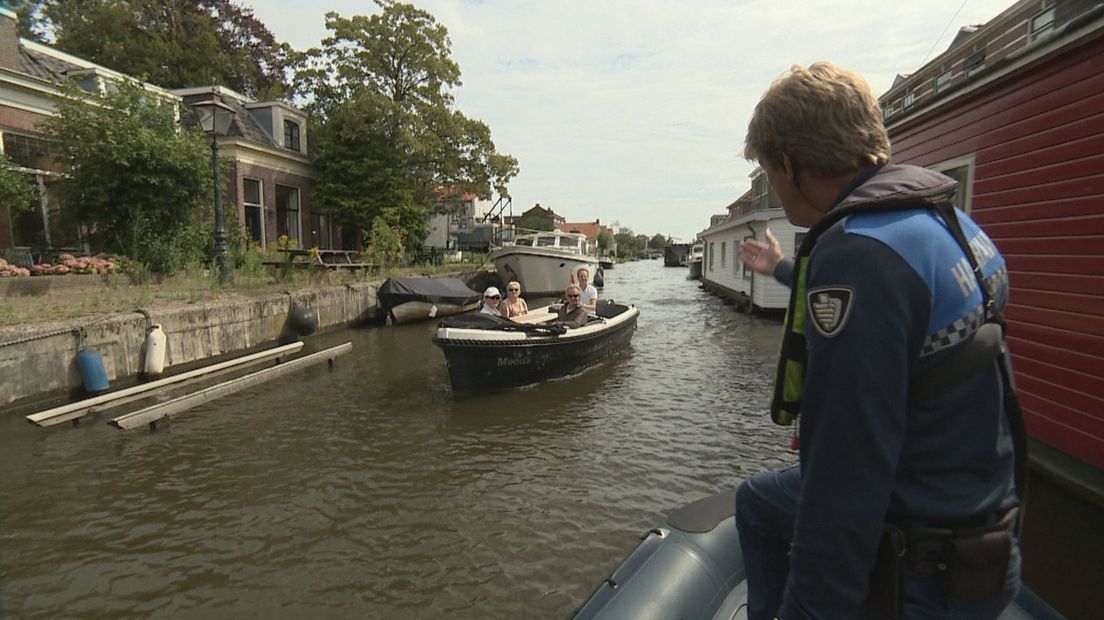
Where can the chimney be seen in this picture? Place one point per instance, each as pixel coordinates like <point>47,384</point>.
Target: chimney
<point>9,41</point>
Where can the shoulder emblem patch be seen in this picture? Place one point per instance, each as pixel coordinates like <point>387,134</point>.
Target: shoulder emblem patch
<point>829,308</point>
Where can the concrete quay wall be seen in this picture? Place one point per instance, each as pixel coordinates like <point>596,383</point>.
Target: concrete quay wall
<point>36,360</point>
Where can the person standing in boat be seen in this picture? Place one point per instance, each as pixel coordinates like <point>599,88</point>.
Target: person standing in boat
<point>590,294</point>
<point>491,300</point>
<point>904,500</point>
<point>513,305</point>
<point>572,313</point>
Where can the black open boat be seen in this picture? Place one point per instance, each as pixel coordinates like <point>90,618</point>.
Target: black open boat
<point>485,352</point>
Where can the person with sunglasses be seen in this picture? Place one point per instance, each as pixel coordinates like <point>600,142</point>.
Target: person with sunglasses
<point>572,313</point>
<point>491,300</point>
<point>513,305</point>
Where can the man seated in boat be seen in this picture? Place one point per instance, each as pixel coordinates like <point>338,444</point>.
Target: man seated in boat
<point>589,298</point>
<point>572,313</point>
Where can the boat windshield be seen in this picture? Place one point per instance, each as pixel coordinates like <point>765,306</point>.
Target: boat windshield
<point>546,241</point>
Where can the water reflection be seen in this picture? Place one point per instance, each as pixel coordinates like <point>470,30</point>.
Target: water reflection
<point>372,491</point>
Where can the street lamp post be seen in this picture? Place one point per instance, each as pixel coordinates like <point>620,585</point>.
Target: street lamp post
<point>215,118</point>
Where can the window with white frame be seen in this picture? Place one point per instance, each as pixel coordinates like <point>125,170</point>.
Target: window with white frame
<point>960,169</point>
<point>291,135</point>
<point>910,98</point>
<point>1042,23</point>
<point>942,81</point>
<point>253,205</point>
<point>287,213</point>
<point>975,62</point>
<point>723,254</point>
<point>711,255</point>
<point>747,270</point>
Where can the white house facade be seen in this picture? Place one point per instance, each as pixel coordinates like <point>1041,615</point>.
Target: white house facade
<point>749,218</point>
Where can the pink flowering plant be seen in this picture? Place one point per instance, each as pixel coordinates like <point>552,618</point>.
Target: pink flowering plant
<point>8,270</point>
<point>66,264</point>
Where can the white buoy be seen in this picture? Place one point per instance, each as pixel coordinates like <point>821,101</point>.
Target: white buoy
<point>154,363</point>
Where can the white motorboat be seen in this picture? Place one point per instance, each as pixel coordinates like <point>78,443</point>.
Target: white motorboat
<point>544,263</point>
<point>694,261</point>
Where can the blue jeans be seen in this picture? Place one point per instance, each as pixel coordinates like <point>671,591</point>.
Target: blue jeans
<point>766,506</point>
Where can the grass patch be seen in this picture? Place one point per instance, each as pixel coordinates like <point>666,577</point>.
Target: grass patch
<point>194,285</point>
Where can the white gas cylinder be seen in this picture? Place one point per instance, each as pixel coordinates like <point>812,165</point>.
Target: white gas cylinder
<point>155,351</point>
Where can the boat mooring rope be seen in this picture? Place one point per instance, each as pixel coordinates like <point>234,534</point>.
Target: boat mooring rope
<point>79,330</point>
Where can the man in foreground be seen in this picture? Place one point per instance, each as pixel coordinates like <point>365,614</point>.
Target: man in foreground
<point>572,313</point>
<point>903,502</point>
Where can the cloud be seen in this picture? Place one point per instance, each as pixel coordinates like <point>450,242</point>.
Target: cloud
<point>635,110</point>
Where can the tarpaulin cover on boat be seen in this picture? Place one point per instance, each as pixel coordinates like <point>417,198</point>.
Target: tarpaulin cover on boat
<point>397,291</point>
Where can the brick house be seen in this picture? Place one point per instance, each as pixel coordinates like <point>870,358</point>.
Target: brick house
<point>270,182</point>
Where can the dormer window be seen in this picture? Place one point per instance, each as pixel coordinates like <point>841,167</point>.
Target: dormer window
<point>291,136</point>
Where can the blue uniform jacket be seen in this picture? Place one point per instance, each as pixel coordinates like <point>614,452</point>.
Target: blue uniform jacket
<point>867,453</point>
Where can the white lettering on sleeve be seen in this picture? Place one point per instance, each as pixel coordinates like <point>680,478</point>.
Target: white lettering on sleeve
<point>965,276</point>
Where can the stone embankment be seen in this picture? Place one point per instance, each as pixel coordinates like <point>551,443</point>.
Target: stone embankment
<point>39,360</point>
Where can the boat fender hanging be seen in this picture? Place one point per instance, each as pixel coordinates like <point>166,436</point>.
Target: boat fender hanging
<point>92,371</point>
<point>301,321</point>
<point>154,362</point>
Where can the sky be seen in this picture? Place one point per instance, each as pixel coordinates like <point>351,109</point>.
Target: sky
<point>634,112</point>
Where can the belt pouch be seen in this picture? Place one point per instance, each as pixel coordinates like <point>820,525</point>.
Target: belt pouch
<point>977,565</point>
<point>884,595</point>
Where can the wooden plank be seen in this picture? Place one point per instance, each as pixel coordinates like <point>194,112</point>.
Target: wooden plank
<point>72,411</point>
<point>150,415</point>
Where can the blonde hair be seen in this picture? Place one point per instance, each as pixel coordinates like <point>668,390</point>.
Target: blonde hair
<point>511,283</point>
<point>825,118</point>
<point>572,287</point>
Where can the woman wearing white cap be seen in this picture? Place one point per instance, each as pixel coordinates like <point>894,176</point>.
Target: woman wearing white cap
<point>491,299</point>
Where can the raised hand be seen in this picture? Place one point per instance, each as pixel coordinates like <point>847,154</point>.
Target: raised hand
<point>761,257</point>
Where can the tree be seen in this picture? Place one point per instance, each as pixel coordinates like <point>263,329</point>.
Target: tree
<point>171,43</point>
<point>16,190</point>
<point>657,242</point>
<point>383,82</point>
<point>31,18</point>
<point>140,184</point>
<point>605,240</point>
<point>626,243</point>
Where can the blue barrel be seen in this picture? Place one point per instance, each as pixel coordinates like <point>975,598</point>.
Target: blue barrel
<point>92,371</point>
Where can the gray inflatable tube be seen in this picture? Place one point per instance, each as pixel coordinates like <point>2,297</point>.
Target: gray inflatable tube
<point>692,567</point>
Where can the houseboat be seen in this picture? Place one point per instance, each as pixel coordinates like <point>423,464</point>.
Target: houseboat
<point>1012,110</point>
<point>544,263</point>
<point>749,217</point>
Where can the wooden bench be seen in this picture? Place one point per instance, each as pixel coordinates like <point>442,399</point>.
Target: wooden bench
<point>328,259</point>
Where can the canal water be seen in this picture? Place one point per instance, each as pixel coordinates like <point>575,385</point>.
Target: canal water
<point>369,490</point>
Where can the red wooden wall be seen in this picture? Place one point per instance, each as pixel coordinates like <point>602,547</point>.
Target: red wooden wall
<point>1038,142</point>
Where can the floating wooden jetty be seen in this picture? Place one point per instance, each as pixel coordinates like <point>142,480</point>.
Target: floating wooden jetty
<point>74,411</point>
<point>154,413</point>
